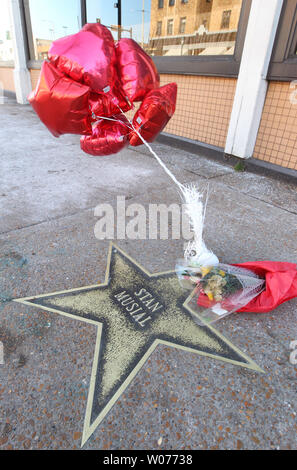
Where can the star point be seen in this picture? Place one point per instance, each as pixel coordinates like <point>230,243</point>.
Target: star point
<point>134,312</point>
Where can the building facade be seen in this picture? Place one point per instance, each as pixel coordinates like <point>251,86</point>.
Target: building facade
<point>193,27</point>
<point>234,61</point>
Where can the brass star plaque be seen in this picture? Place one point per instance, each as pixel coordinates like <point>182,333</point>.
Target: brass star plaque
<point>134,311</point>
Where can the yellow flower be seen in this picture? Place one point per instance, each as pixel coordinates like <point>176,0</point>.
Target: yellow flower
<point>209,295</point>
<point>205,271</point>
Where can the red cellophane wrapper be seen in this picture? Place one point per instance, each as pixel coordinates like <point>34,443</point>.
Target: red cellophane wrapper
<point>108,137</point>
<point>154,113</point>
<point>137,71</point>
<point>61,104</point>
<point>280,285</point>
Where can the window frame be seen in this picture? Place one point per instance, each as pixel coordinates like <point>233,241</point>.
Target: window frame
<point>170,23</point>
<point>7,64</point>
<point>159,23</point>
<point>182,22</point>
<point>27,28</point>
<point>283,64</point>
<point>220,66</point>
<point>224,17</point>
<point>216,65</point>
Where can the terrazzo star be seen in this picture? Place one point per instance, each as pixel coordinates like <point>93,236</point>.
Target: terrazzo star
<point>124,342</point>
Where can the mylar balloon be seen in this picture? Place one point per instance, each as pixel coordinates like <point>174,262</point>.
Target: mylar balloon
<point>86,57</point>
<point>108,137</point>
<point>61,104</point>
<point>154,113</point>
<point>117,97</point>
<point>137,71</point>
<point>100,30</point>
<point>103,105</point>
<point>89,57</point>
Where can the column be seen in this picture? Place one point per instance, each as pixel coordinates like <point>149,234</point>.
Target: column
<point>252,85</point>
<point>22,78</point>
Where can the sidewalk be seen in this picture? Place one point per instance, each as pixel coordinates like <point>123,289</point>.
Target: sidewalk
<point>178,400</point>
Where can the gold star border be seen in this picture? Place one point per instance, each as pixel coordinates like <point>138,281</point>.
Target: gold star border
<point>89,427</point>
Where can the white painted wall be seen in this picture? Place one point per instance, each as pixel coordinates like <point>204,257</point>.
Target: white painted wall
<point>252,84</point>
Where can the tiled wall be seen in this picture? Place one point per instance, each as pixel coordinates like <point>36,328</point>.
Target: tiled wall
<point>203,110</point>
<point>277,137</point>
<point>204,106</point>
<point>34,77</point>
<point>6,79</point>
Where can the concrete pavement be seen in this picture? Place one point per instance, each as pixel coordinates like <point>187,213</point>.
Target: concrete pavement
<point>178,400</point>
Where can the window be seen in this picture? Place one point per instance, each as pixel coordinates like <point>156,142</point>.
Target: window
<point>171,3</point>
<point>159,28</point>
<point>48,21</point>
<point>210,29</point>
<point>283,64</point>
<point>98,11</point>
<point>169,27</point>
<point>179,40</point>
<point>182,25</point>
<point>136,20</point>
<point>6,51</point>
<point>226,19</point>
<point>216,52</point>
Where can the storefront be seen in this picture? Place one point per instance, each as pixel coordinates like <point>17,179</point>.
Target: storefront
<point>234,61</point>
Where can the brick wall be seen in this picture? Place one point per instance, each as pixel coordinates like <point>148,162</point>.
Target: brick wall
<point>179,10</point>
<point>195,11</point>
<point>219,6</point>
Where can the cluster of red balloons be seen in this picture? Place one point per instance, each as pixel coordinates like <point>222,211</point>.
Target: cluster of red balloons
<point>90,81</point>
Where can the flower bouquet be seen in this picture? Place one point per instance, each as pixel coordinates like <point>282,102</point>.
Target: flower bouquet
<point>218,290</point>
<point>221,289</point>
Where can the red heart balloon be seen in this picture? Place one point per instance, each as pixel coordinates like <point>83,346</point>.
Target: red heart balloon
<point>103,105</point>
<point>89,57</point>
<point>61,104</point>
<point>154,113</point>
<point>137,71</point>
<point>108,137</point>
